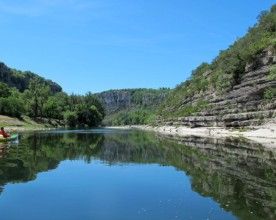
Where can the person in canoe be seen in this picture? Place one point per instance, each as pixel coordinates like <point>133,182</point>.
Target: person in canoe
<point>4,133</point>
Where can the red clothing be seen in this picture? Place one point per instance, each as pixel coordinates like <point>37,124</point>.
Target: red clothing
<point>5,135</point>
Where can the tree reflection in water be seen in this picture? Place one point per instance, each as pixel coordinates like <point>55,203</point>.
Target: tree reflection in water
<point>239,175</point>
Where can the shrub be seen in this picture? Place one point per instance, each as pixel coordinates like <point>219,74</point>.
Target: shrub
<point>4,90</point>
<point>272,73</point>
<point>11,106</point>
<point>70,119</point>
<point>270,93</point>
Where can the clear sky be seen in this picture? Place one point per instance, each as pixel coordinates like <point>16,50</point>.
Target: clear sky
<point>96,45</point>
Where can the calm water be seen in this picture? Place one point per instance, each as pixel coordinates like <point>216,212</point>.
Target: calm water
<point>129,175</point>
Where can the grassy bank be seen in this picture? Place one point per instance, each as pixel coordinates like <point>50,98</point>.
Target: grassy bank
<point>26,123</point>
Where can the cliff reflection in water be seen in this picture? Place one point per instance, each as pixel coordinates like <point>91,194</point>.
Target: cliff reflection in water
<point>239,175</point>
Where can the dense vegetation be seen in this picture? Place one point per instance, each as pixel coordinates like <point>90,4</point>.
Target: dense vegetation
<point>226,69</point>
<point>135,116</point>
<point>39,102</point>
<point>20,80</point>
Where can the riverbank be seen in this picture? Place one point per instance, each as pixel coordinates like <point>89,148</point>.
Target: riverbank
<point>264,134</point>
<point>12,124</point>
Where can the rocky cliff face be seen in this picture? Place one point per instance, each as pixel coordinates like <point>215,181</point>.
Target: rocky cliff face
<point>243,105</point>
<point>117,100</point>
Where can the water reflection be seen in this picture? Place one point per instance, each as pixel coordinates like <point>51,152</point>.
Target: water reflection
<point>239,175</point>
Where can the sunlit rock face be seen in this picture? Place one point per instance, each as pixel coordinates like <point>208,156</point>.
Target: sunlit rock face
<point>117,100</point>
<point>242,105</point>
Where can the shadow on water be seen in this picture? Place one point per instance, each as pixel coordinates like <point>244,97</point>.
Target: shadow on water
<point>239,175</point>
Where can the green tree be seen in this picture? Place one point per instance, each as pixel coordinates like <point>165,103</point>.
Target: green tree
<point>88,116</point>
<point>70,119</point>
<point>92,100</point>
<point>11,106</point>
<point>52,109</point>
<point>4,90</point>
<point>36,96</point>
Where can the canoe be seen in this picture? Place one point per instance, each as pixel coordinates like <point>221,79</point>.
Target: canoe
<point>13,137</point>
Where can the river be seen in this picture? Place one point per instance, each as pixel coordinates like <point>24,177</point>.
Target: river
<point>106,174</point>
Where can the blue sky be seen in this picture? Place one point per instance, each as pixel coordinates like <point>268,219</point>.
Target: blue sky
<point>96,45</point>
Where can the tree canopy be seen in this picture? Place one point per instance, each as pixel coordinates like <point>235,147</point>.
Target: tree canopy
<point>38,101</point>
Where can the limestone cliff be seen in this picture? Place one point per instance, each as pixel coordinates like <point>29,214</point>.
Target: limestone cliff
<point>124,99</point>
<point>238,88</point>
<point>243,105</point>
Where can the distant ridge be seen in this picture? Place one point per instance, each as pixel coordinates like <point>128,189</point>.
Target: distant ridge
<point>131,106</point>
<point>20,80</point>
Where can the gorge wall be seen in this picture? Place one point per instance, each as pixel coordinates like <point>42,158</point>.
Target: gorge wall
<point>245,104</point>
<point>237,89</point>
<point>124,99</point>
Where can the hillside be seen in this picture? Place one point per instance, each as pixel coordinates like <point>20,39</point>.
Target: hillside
<point>31,101</point>
<point>131,106</point>
<point>21,80</point>
<point>237,89</point>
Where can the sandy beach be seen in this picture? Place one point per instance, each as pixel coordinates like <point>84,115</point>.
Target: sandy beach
<point>265,134</point>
